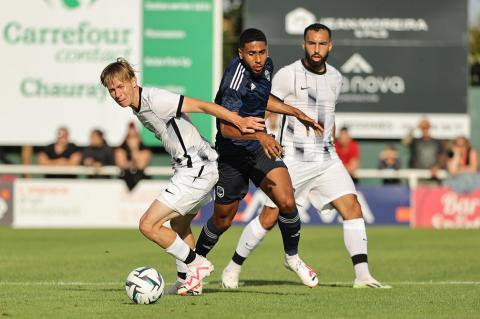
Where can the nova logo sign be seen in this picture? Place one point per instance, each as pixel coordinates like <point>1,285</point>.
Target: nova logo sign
<point>361,84</point>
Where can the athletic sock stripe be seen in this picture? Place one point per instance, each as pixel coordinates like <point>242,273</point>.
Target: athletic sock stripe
<point>289,220</point>
<point>360,258</point>
<point>209,233</point>
<point>235,75</point>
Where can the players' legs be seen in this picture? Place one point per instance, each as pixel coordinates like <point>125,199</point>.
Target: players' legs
<point>181,225</point>
<point>220,221</point>
<point>278,187</point>
<point>354,233</point>
<point>151,226</point>
<point>231,187</point>
<point>251,237</point>
<point>336,187</point>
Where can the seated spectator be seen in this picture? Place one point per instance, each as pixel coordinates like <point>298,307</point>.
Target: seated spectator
<point>462,166</point>
<point>132,157</point>
<point>349,152</point>
<point>426,152</point>
<point>62,152</point>
<point>97,153</point>
<point>389,160</point>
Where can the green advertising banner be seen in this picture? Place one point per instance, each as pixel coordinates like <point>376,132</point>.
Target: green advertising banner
<point>180,44</point>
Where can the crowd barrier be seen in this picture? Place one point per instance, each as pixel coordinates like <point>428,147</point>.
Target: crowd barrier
<point>83,202</point>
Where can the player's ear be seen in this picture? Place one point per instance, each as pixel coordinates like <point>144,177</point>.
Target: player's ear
<point>240,53</point>
<point>134,82</point>
<point>330,46</point>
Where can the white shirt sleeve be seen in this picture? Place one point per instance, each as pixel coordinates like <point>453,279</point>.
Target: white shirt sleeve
<point>282,84</point>
<point>339,86</point>
<point>166,104</point>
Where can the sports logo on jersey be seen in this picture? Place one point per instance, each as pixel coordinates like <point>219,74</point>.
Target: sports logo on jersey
<point>267,75</point>
<point>252,86</point>
<point>356,64</point>
<point>220,191</point>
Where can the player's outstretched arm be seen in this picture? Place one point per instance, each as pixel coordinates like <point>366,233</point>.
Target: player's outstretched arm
<point>244,124</point>
<point>270,146</point>
<point>277,106</point>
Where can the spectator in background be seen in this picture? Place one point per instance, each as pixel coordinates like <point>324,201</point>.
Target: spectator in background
<point>349,152</point>
<point>132,157</point>
<point>98,153</point>
<point>389,160</point>
<point>462,158</point>
<point>3,157</point>
<point>426,152</point>
<point>462,166</point>
<point>62,152</point>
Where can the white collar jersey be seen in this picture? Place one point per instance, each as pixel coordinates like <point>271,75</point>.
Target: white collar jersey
<point>315,95</point>
<point>160,111</point>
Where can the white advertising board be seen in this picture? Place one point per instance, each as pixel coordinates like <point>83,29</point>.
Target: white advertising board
<point>81,203</point>
<point>52,54</point>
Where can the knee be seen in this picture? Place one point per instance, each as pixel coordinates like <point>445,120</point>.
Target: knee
<point>286,204</point>
<point>354,210</point>
<point>148,229</point>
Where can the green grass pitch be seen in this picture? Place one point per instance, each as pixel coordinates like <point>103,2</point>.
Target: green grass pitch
<point>81,273</point>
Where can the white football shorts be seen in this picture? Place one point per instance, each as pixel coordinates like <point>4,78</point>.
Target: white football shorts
<point>318,182</point>
<point>190,189</point>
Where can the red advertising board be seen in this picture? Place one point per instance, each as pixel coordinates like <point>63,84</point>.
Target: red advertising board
<point>439,207</point>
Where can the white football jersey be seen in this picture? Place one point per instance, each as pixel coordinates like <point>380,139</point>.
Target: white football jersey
<point>161,112</point>
<point>316,96</point>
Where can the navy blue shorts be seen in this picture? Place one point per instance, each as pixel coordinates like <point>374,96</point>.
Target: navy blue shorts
<point>235,171</point>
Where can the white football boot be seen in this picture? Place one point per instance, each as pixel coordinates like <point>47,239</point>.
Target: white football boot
<point>306,274</point>
<point>230,279</point>
<point>369,283</point>
<point>196,272</point>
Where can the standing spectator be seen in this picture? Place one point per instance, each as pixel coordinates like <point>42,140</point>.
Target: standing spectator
<point>462,158</point>
<point>132,157</point>
<point>426,152</point>
<point>62,152</point>
<point>349,152</point>
<point>98,153</point>
<point>389,160</point>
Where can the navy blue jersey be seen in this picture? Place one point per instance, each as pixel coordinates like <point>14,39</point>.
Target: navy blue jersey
<point>242,92</point>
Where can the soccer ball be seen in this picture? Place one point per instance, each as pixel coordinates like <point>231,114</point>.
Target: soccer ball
<point>144,285</point>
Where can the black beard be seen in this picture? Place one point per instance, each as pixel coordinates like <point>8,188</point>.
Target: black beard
<point>316,65</point>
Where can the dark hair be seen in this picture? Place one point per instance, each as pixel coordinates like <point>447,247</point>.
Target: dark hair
<point>250,35</point>
<point>317,27</point>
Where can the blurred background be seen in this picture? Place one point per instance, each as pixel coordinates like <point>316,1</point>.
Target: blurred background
<point>410,102</point>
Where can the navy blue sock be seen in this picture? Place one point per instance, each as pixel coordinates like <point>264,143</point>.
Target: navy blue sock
<point>207,239</point>
<point>289,224</point>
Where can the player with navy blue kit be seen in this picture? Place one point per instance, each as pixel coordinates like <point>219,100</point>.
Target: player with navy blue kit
<point>245,89</point>
<point>318,175</point>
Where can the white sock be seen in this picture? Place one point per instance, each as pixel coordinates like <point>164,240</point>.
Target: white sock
<point>355,238</point>
<point>251,237</point>
<point>178,249</point>
<point>181,268</point>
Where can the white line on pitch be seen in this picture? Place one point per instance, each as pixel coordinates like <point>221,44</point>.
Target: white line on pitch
<point>79,283</point>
